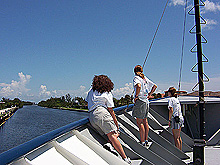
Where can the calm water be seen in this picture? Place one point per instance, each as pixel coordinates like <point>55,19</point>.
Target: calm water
<point>32,121</point>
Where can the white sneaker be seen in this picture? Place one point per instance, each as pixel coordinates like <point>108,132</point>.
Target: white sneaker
<point>127,160</point>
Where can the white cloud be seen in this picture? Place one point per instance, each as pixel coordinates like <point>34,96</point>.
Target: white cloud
<point>177,2</point>
<point>211,6</point>
<point>46,94</point>
<point>15,88</point>
<point>121,92</point>
<point>82,88</point>
<point>210,23</point>
<point>43,91</point>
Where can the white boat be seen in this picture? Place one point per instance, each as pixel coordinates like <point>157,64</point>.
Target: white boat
<point>79,143</point>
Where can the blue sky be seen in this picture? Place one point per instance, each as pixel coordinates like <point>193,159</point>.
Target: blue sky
<point>52,47</point>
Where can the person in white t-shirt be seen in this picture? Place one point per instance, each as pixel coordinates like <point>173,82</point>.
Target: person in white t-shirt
<point>176,119</point>
<point>102,116</point>
<point>143,88</point>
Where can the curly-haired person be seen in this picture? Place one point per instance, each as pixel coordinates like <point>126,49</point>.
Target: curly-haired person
<point>102,116</point>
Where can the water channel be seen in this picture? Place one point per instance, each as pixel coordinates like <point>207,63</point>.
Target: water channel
<point>32,121</point>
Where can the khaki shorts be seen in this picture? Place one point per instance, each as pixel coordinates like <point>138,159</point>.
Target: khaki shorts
<point>102,120</point>
<point>140,109</point>
<point>175,125</point>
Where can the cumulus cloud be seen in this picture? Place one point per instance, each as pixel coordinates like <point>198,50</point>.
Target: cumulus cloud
<point>15,88</point>
<point>121,92</point>
<point>210,23</point>
<point>211,6</point>
<point>177,2</point>
<point>43,91</point>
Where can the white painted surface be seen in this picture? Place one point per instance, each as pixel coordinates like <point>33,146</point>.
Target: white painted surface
<point>50,157</point>
<point>82,151</point>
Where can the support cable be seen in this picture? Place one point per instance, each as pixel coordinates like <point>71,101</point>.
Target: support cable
<point>155,34</point>
<point>183,44</point>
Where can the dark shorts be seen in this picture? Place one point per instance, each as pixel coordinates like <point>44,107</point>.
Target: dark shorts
<point>175,125</point>
<point>140,109</point>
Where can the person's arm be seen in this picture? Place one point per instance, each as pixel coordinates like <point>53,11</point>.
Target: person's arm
<point>170,114</point>
<point>138,89</point>
<point>111,111</point>
<point>152,91</point>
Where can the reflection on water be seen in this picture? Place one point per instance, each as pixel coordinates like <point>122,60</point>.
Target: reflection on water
<point>32,121</point>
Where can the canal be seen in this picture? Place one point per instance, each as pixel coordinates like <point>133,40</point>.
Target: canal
<point>32,121</point>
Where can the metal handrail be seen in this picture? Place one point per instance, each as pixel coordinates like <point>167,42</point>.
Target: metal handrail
<point>16,152</point>
<point>23,149</point>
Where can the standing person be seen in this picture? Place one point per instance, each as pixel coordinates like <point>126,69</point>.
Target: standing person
<point>102,116</point>
<point>176,119</point>
<point>143,88</point>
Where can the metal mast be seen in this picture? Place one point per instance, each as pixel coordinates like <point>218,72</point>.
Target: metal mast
<point>200,70</point>
<point>198,149</point>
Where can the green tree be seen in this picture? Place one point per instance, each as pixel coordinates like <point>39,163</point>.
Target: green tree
<point>127,99</point>
<point>116,102</point>
<point>81,101</point>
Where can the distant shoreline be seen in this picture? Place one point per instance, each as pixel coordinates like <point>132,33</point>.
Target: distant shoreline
<point>72,109</point>
<point>7,114</point>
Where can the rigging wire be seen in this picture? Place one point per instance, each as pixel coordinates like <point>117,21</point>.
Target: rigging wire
<point>183,44</point>
<point>155,33</point>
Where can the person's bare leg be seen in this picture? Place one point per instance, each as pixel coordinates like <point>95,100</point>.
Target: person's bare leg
<point>177,138</point>
<point>174,137</point>
<point>112,136</point>
<point>146,126</point>
<point>141,127</point>
<point>180,139</point>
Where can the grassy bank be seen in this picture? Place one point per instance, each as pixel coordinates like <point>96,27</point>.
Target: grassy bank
<point>73,109</point>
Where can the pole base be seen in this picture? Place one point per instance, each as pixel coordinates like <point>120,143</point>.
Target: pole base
<point>198,152</point>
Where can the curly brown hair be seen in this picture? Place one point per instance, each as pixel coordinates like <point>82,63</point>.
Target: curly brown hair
<point>102,84</point>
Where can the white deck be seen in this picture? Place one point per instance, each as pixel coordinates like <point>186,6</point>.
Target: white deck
<point>85,146</point>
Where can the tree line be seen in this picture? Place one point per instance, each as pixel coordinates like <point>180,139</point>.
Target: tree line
<point>64,101</point>
<point>8,103</point>
<point>79,102</point>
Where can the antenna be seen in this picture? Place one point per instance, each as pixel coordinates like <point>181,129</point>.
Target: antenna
<point>198,149</point>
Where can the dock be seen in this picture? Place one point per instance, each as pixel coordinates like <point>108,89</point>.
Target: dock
<point>5,114</point>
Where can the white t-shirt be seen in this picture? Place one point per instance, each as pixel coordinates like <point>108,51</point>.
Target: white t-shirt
<point>96,99</point>
<point>146,86</point>
<point>175,104</point>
